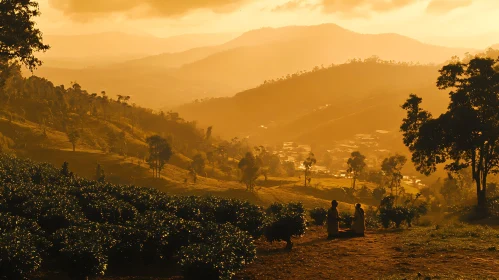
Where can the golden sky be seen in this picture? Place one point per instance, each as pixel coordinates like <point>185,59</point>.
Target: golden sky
<point>463,23</point>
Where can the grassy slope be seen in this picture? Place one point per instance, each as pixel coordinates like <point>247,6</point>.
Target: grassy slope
<point>451,252</point>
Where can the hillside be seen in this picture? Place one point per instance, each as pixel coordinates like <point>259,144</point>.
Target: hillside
<point>78,51</point>
<point>341,95</point>
<point>243,62</point>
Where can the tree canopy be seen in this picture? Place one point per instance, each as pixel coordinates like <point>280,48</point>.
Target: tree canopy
<point>467,135</point>
<point>356,164</point>
<point>19,38</point>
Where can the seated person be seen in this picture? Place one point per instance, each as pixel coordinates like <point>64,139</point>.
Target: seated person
<point>359,221</point>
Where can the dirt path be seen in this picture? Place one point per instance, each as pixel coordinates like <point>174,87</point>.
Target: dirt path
<point>377,256</point>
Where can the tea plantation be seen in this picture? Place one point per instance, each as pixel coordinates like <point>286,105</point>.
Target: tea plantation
<point>53,219</point>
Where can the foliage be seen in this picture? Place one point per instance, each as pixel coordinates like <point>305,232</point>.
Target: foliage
<point>199,163</point>
<point>19,38</point>
<point>308,163</point>
<point>219,256</point>
<point>250,167</point>
<point>87,226</point>
<point>18,254</point>
<point>356,164</point>
<point>73,137</point>
<point>466,135</point>
<point>318,215</point>
<point>392,168</point>
<point>391,213</point>
<point>284,222</point>
<point>160,152</point>
<point>346,219</point>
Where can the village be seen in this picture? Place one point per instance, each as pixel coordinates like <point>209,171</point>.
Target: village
<point>332,162</point>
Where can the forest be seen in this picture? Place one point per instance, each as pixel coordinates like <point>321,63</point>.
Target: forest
<point>374,167</point>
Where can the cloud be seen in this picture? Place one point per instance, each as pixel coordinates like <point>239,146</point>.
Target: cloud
<point>357,7</point>
<point>445,6</point>
<point>363,8</point>
<point>293,5</point>
<point>88,9</point>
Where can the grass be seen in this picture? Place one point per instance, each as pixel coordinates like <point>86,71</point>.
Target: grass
<point>452,237</point>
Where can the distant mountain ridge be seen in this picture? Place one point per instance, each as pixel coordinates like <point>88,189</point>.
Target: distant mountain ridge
<point>244,62</point>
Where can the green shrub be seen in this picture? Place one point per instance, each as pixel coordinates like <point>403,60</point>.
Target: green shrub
<point>19,256</point>
<point>318,215</point>
<point>284,222</point>
<point>220,255</point>
<point>346,219</point>
<point>86,224</point>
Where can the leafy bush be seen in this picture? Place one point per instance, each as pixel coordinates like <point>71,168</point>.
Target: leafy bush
<point>86,225</point>
<point>388,213</point>
<point>219,256</point>
<point>285,221</point>
<point>19,256</point>
<point>346,219</point>
<point>318,215</point>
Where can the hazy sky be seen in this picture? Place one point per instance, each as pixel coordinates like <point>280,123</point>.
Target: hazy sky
<point>475,23</point>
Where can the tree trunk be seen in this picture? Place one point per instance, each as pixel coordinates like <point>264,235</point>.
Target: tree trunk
<point>305,178</point>
<point>289,244</point>
<point>354,179</point>
<point>74,147</point>
<point>482,202</point>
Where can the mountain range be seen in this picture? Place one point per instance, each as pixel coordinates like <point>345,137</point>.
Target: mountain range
<point>172,78</point>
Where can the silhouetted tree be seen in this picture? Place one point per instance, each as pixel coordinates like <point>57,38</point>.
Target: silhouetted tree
<point>99,174</point>
<point>199,163</point>
<point>160,153</point>
<point>19,38</point>
<point>73,137</point>
<point>468,133</point>
<point>250,167</point>
<point>308,163</point>
<point>392,168</point>
<point>356,164</point>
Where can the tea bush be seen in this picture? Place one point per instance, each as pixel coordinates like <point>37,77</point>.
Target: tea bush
<point>51,214</point>
<point>318,215</point>
<point>284,222</point>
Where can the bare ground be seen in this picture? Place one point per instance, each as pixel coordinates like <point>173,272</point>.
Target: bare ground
<point>379,255</point>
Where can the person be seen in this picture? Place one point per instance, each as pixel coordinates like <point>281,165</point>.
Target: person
<point>333,221</point>
<point>359,221</point>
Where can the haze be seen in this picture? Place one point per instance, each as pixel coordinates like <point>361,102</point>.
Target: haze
<point>249,139</point>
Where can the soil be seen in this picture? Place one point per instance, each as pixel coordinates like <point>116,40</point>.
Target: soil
<point>378,255</point>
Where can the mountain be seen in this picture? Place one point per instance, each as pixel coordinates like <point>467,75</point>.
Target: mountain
<point>244,62</point>
<point>114,47</point>
<point>329,104</point>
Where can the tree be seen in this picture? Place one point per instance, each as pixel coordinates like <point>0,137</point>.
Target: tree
<point>160,152</point>
<point>100,176</point>
<point>356,164</point>
<point>467,135</point>
<point>19,38</point>
<point>73,137</point>
<point>209,130</point>
<point>199,163</point>
<point>392,168</point>
<point>290,168</point>
<point>250,167</point>
<point>308,163</point>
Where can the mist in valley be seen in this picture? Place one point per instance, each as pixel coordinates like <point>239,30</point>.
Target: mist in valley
<point>249,139</point>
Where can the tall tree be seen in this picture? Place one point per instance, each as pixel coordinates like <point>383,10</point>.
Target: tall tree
<point>467,135</point>
<point>19,38</point>
<point>392,168</point>
<point>308,163</point>
<point>73,137</point>
<point>199,163</point>
<point>160,153</point>
<point>356,164</point>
